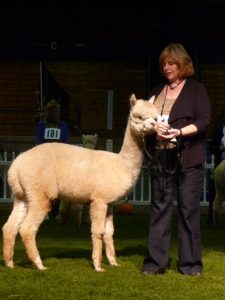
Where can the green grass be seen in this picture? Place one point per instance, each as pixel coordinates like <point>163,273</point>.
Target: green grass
<point>66,251</point>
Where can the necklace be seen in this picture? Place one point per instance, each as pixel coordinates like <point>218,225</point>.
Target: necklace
<point>173,85</point>
<point>164,101</point>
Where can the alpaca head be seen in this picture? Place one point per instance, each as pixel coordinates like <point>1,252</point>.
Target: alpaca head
<point>142,115</point>
<point>89,140</point>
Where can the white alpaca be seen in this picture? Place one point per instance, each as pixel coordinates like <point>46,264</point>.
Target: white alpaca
<point>75,209</point>
<point>55,170</point>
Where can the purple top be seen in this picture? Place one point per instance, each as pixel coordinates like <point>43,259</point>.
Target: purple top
<point>47,134</point>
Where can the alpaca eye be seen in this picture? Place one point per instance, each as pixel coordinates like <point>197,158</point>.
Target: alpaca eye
<point>138,117</point>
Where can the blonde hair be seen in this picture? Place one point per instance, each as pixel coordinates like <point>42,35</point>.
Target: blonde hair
<point>52,103</point>
<point>180,57</point>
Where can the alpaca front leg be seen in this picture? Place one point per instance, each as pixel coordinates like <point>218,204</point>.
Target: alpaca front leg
<point>98,215</point>
<point>108,237</point>
<point>97,251</point>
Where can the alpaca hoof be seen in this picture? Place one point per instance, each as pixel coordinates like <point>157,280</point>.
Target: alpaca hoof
<point>100,270</point>
<point>42,268</point>
<point>115,264</point>
<point>9,264</point>
<point>38,263</point>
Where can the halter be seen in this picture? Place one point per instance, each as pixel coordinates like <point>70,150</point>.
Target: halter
<point>131,117</point>
<point>138,122</point>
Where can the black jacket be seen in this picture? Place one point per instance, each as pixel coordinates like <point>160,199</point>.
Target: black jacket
<point>191,107</point>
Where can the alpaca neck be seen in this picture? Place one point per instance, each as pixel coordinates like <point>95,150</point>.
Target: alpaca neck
<point>131,151</point>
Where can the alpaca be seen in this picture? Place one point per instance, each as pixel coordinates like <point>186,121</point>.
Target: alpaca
<point>56,170</point>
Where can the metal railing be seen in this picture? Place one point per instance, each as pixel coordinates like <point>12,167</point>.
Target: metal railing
<point>5,163</point>
<point>141,194</point>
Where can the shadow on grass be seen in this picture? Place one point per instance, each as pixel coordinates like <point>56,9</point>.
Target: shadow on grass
<point>86,253</point>
<point>21,260</point>
<point>132,250</point>
<point>73,254</point>
<point>59,253</point>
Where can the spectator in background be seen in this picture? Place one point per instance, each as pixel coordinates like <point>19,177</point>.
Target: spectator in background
<point>52,129</point>
<point>217,148</point>
<point>217,145</point>
<point>219,180</point>
<point>1,171</point>
<point>222,146</point>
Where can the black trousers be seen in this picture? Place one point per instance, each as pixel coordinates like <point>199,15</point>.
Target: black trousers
<point>188,184</point>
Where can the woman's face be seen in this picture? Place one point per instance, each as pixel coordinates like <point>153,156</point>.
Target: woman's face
<point>53,114</point>
<point>170,70</point>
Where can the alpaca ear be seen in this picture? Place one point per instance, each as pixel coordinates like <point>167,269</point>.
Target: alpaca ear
<point>133,100</point>
<point>152,99</point>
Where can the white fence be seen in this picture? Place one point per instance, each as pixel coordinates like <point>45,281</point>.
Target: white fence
<point>141,194</point>
<point>5,163</point>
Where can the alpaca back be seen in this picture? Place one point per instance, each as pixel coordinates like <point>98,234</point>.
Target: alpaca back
<point>69,172</point>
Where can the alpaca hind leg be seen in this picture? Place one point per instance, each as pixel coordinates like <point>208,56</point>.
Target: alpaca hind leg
<point>64,211</point>
<point>10,230</point>
<point>86,213</point>
<point>108,237</point>
<point>28,230</point>
<point>77,212</point>
<point>98,211</point>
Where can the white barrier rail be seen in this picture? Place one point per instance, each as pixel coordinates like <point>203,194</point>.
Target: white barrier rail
<point>141,194</point>
<point>4,166</point>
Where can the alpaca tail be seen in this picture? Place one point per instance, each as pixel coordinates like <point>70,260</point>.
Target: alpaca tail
<point>14,182</point>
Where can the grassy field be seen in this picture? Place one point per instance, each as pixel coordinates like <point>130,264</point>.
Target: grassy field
<point>66,251</point>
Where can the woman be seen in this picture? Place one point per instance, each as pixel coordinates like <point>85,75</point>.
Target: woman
<point>52,129</point>
<point>176,155</point>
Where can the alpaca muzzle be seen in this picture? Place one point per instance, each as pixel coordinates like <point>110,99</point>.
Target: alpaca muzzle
<point>149,125</point>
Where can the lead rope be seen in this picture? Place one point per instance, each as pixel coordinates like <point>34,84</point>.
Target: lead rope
<point>145,148</point>
<point>162,157</point>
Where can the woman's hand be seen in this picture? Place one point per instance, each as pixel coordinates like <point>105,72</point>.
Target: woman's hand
<point>162,130</point>
<point>165,132</point>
